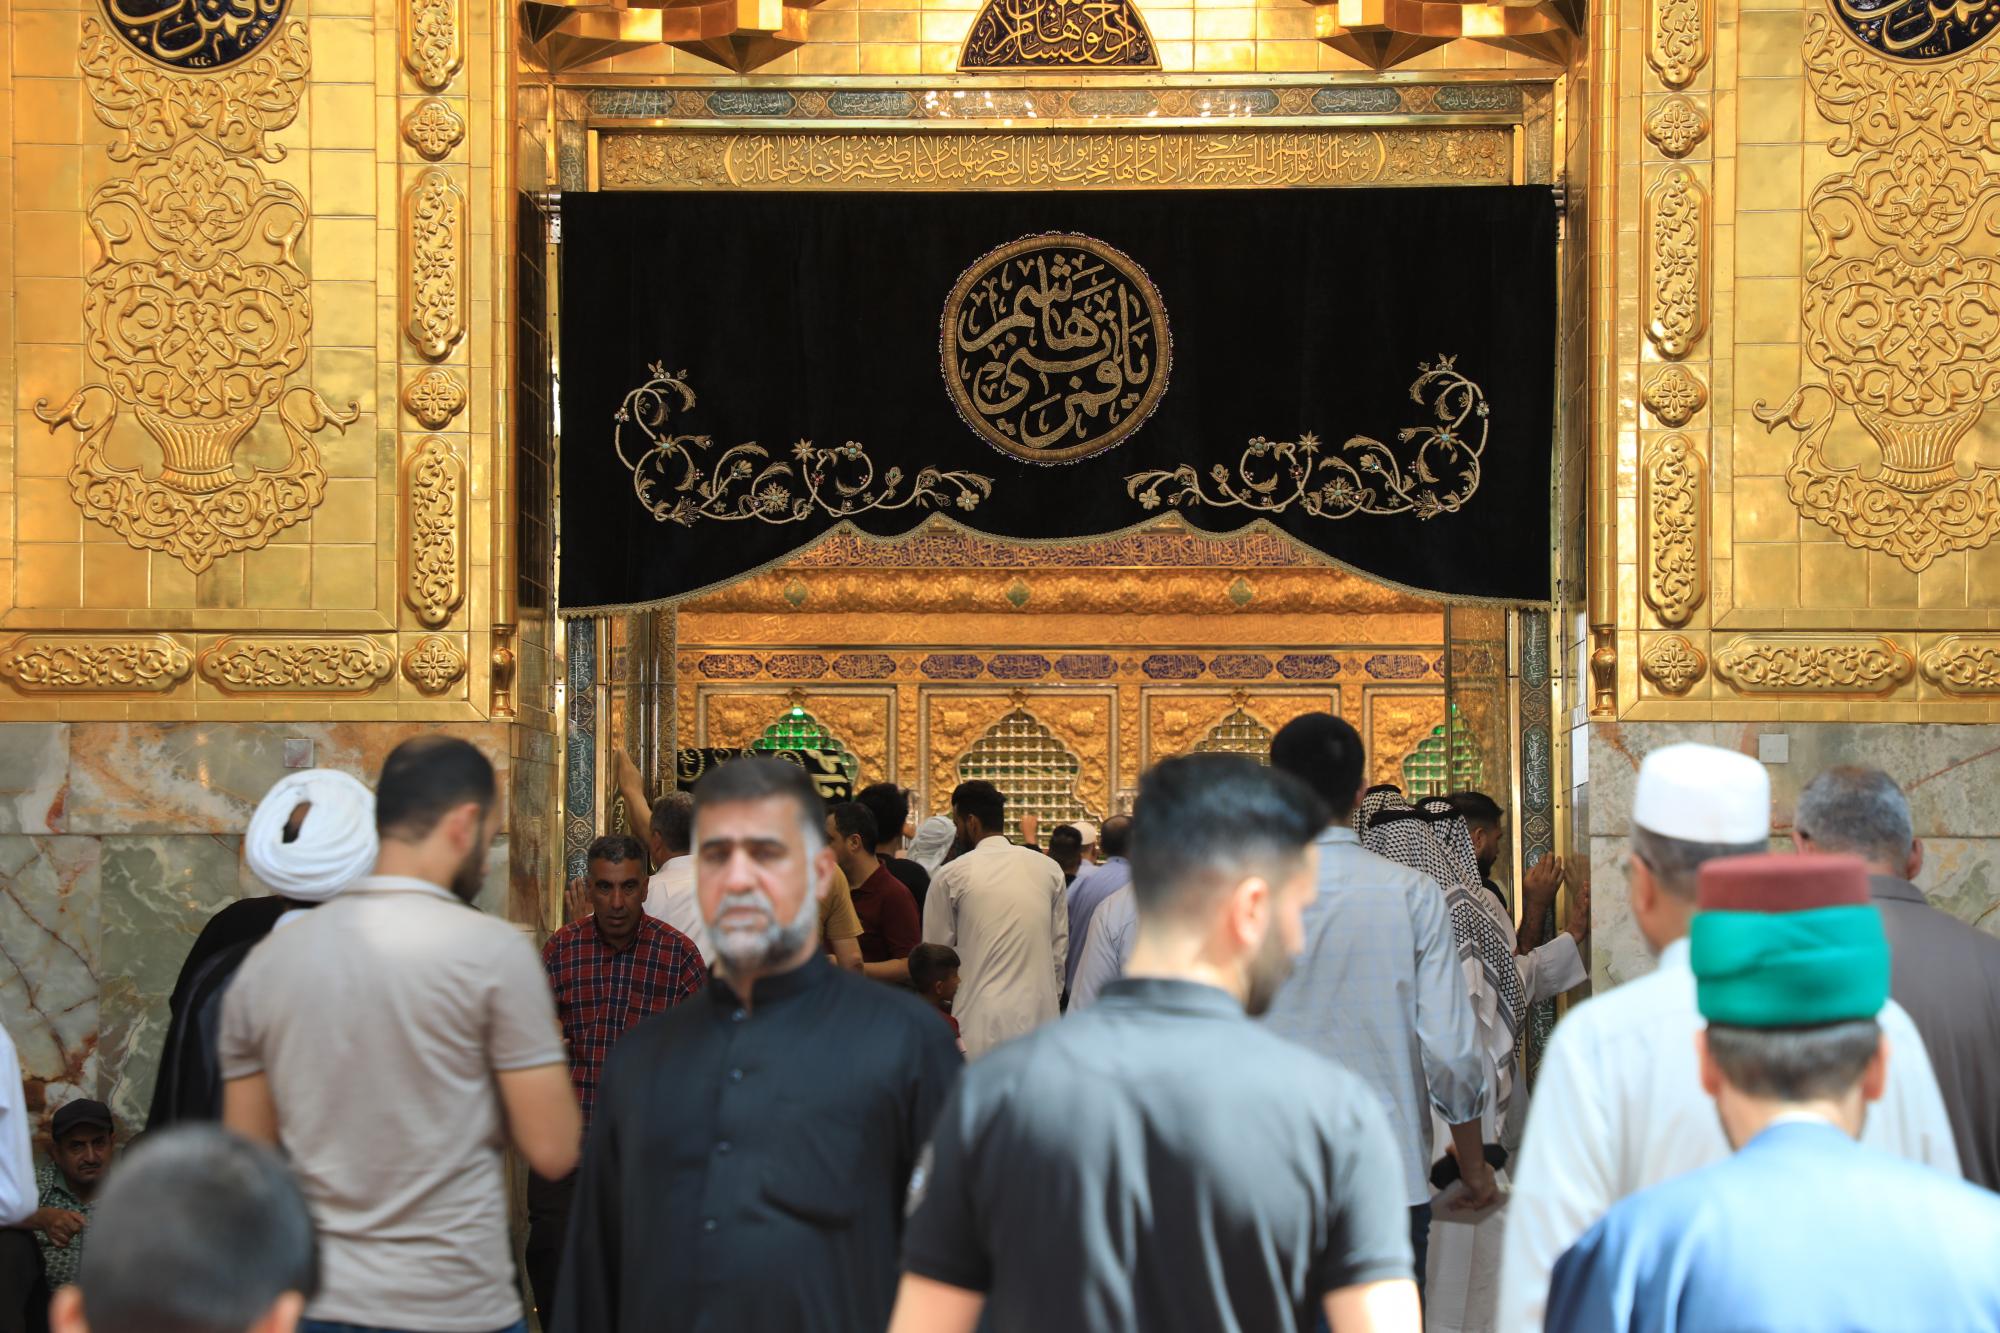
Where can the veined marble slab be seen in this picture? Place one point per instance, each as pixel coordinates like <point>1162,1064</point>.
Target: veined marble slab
<point>49,968</point>
<point>207,777</point>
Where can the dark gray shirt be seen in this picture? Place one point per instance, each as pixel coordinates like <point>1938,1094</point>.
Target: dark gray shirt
<point>1947,974</point>
<point>1158,1163</point>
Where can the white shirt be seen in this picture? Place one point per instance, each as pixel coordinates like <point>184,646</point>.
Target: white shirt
<point>1002,907</point>
<point>670,898</point>
<point>1619,1107</point>
<point>1107,947</point>
<point>18,1197</point>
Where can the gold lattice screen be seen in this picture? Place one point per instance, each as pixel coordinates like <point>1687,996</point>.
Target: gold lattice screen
<point>1037,772</point>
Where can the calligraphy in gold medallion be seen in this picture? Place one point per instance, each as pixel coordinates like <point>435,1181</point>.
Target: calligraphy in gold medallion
<point>1055,347</point>
<point>1919,29</point>
<point>1059,34</point>
<point>195,34</point>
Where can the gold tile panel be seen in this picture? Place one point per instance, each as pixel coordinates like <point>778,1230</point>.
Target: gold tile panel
<point>433,48</point>
<point>1902,127</point>
<point>1138,159</point>
<point>1813,664</point>
<point>82,663</point>
<point>1673,663</point>
<point>267,664</point>
<point>1677,251</point>
<point>1677,39</point>
<point>434,663</point>
<point>1962,664</point>
<point>170,258</point>
<point>434,241</point>
<point>1674,505</point>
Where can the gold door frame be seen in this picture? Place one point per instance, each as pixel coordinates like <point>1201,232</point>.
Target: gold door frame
<point>1061,132</point>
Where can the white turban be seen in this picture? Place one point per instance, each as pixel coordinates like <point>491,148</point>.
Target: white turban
<point>933,842</point>
<point>335,844</point>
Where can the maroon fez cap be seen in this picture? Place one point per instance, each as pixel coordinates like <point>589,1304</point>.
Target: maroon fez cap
<point>1770,883</point>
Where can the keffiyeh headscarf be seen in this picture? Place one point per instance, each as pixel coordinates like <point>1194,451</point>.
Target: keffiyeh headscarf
<point>1429,844</point>
<point>1496,959</point>
<point>1373,801</point>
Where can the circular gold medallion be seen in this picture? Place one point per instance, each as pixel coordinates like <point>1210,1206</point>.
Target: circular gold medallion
<point>1055,347</point>
<point>195,35</point>
<point>1918,29</point>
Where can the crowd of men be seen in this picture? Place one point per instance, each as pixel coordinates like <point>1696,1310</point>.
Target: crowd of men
<point>1250,1057</point>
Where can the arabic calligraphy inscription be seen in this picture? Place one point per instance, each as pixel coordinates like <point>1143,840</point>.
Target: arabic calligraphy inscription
<point>1055,347</point>
<point>195,34</point>
<point>1917,29</point>
<point>1059,34</point>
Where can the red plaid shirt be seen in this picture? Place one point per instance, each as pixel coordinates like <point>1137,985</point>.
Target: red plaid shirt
<point>600,994</point>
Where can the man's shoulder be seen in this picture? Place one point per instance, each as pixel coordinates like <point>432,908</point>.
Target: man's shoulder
<point>1349,865</point>
<point>665,936</point>
<point>884,1014</point>
<point>1920,922</point>
<point>1656,1002</point>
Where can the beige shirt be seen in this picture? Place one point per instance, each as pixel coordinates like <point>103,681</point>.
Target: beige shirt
<point>380,1021</point>
<point>1004,909</point>
<point>670,897</point>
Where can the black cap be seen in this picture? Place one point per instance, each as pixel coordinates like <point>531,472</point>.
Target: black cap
<point>78,1114</point>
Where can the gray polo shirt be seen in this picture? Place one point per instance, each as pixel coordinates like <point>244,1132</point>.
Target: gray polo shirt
<point>1158,1163</point>
<point>380,1021</point>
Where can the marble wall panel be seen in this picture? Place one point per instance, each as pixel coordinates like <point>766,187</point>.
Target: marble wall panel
<point>96,921</point>
<point>1962,876</point>
<point>49,963</point>
<point>34,777</point>
<point>157,893</point>
<point>1951,774</point>
<point>206,777</point>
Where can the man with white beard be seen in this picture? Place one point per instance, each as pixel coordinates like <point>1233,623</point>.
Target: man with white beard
<point>750,1149</point>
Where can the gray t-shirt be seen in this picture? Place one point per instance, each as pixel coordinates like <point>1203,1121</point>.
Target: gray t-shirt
<point>380,1020</point>
<point>1158,1163</point>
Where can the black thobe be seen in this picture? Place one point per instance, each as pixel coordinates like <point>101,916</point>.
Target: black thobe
<point>746,1168</point>
<point>189,1085</point>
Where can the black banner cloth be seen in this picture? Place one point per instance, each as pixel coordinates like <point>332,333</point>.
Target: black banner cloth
<point>1370,371</point>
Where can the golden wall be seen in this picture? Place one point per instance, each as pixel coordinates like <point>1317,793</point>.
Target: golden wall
<point>1797,484</point>
<point>917,655</point>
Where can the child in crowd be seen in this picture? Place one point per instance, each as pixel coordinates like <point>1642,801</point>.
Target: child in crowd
<point>934,975</point>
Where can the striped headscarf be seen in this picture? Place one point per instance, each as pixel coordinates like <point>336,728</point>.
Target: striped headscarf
<point>1374,800</point>
<point>1496,959</point>
<point>1408,836</point>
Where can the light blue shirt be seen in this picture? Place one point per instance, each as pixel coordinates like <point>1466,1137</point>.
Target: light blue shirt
<point>1092,887</point>
<point>1802,1229</point>
<point>1114,930</point>
<point>1379,990</point>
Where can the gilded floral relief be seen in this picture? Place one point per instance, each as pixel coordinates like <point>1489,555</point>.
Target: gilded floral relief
<point>197,311</point>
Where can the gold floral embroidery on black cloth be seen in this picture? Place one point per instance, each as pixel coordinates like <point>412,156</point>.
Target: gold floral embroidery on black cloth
<point>1055,347</point>
<point>1366,477</point>
<point>745,482</point>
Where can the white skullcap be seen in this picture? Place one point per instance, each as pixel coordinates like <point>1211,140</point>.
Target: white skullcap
<point>336,842</point>
<point>1698,793</point>
<point>1089,831</point>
